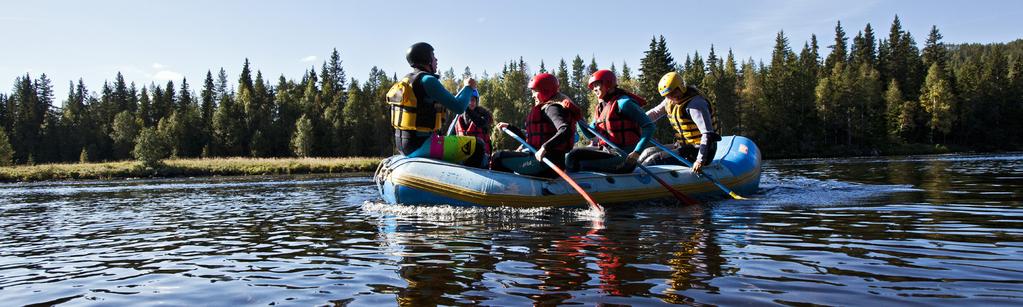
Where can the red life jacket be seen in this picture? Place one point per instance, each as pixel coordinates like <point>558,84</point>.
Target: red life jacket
<point>471,130</point>
<point>539,128</point>
<point>610,122</point>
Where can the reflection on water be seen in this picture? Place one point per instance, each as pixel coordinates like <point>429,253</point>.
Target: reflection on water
<point>912,230</point>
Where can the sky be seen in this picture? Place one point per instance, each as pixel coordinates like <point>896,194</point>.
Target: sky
<point>156,41</point>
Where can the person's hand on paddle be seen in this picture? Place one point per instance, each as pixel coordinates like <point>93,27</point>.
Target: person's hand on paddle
<point>500,126</point>
<point>632,158</point>
<point>470,82</point>
<point>697,167</point>
<point>540,153</point>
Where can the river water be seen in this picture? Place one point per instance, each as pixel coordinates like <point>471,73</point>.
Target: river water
<point>918,230</point>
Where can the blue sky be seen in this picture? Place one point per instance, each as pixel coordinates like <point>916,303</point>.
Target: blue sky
<point>150,41</point>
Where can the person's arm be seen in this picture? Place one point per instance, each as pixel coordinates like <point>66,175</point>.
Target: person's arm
<point>699,110</point>
<point>455,103</point>
<point>586,132</point>
<point>658,112</point>
<point>634,112</point>
<point>559,117</point>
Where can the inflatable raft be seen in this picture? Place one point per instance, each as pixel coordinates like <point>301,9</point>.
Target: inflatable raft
<point>419,181</point>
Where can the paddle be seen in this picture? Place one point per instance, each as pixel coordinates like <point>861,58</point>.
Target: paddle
<point>690,165</point>
<point>593,204</point>
<point>451,128</point>
<point>678,195</point>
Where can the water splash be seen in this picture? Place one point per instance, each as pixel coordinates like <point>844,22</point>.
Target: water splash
<point>799,190</point>
<point>462,213</point>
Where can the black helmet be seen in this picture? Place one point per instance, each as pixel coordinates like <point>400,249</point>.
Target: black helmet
<point>419,54</point>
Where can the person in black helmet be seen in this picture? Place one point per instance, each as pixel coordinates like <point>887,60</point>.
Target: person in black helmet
<point>418,104</point>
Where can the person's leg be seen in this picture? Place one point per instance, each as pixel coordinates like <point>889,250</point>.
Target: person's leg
<point>593,159</point>
<point>689,152</point>
<point>522,163</point>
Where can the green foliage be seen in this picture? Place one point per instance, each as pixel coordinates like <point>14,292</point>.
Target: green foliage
<point>151,147</point>
<point>124,131</point>
<point>302,142</point>
<point>938,100</point>
<point>866,96</point>
<point>83,157</point>
<point>656,62</point>
<point>6,151</point>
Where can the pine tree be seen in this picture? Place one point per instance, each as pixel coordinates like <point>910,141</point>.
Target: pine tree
<point>260,117</point>
<point>727,96</point>
<point>695,71</point>
<point>578,83</point>
<point>543,68</point>
<point>899,59</point>
<point>839,52</point>
<point>565,80</point>
<point>934,51</point>
<point>228,127</point>
<point>656,62</point>
<point>626,73</point>
<point>357,119</point>
<point>221,89</point>
<point>864,49</point>
<point>145,111</point>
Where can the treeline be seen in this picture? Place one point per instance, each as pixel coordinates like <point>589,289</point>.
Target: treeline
<point>868,95</point>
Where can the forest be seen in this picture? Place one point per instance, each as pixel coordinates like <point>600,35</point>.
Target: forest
<point>868,95</point>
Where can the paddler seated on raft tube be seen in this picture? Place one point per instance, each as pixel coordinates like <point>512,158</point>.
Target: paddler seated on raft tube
<point>475,122</point>
<point>418,103</point>
<point>550,128</point>
<point>693,119</point>
<point>621,119</point>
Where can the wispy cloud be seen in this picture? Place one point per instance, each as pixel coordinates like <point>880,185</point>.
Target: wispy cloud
<point>167,75</point>
<point>158,66</point>
<point>308,58</point>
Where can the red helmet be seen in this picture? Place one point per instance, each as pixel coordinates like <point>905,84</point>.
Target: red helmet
<point>606,78</point>
<point>546,86</point>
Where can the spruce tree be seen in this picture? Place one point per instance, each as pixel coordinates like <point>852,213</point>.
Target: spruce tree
<point>934,51</point>
<point>656,62</point>
<point>864,49</point>
<point>578,83</point>
<point>357,119</point>
<point>221,90</point>
<point>839,51</point>
<point>565,80</point>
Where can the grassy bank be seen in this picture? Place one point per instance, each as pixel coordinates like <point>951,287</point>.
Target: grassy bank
<point>189,167</point>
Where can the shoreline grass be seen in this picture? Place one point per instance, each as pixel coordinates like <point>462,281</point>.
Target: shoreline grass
<point>190,167</point>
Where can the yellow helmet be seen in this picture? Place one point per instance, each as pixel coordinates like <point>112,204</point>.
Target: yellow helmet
<point>669,82</point>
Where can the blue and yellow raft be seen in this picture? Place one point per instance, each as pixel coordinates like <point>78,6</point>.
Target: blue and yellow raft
<point>418,181</point>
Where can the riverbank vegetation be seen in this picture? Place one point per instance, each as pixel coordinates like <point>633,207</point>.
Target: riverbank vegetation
<point>867,95</point>
<point>189,167</point>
